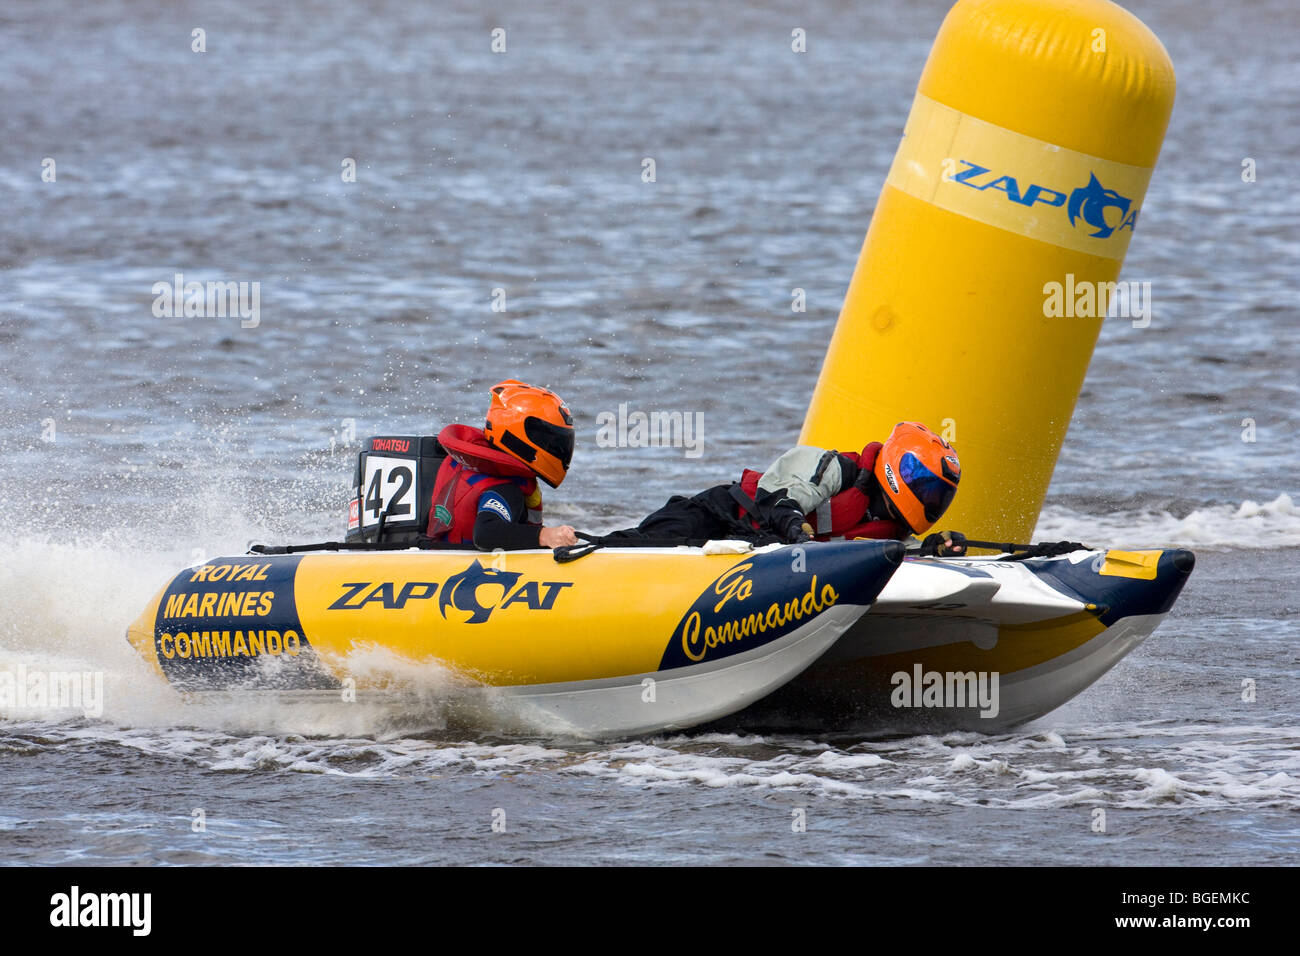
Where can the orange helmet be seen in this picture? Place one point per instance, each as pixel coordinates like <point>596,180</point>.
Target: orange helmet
<point>534,425</point>
<point>919,472</point>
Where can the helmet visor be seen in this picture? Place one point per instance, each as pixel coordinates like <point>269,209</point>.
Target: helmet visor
<point>934,493</point>
<point>553,439</point>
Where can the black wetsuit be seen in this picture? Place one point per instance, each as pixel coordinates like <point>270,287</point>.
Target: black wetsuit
<point>715,513</point>
<point>493,530</point>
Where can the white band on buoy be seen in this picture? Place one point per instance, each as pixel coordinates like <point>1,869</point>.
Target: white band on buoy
<point>1015,182</point>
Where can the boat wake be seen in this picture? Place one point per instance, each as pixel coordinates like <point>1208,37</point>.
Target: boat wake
<point>1142,765</point>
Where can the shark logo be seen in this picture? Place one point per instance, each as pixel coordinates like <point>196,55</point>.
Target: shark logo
<point>461,590</point>
<point>1090,203</point>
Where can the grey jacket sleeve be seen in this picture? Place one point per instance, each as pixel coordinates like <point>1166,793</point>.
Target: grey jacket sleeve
<point>796,470</point>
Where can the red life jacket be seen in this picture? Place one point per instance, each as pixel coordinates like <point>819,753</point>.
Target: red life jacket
<point>474,465</point>
<point>845,514</point>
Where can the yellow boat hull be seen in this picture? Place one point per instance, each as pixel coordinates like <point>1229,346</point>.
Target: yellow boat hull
<point>620,641</point>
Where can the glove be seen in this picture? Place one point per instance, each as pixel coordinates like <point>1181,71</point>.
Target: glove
<point>944,544</point>
<point>789,527</point>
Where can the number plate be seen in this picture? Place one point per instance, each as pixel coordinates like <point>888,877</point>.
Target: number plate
<point>389,486</point>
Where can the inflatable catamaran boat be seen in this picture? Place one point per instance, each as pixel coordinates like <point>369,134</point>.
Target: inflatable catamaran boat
<point>608,641</point>
<point>833,635</point>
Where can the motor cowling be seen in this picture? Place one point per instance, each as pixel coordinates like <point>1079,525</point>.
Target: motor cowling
<point>392,487</point>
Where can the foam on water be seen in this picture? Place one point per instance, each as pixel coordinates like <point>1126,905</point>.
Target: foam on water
<point>1249,525</point>
<point>1197,766</point>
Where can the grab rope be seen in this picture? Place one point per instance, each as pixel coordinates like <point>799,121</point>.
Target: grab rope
<point>592,542</point>
<point>423,544</point>
<point>1021,552</point>
<point>572,552</point>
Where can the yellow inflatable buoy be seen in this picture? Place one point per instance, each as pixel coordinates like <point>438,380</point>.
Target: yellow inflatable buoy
<point>1012,199</point>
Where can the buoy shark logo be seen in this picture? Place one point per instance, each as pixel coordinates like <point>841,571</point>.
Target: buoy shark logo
<point>1090,203</point>
<point>1085,206</point>
<point>461,591</point>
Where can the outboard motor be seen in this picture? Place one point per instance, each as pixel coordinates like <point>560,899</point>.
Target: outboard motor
<point>392,488</point>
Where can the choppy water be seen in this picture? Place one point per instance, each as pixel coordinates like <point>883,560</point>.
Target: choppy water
<point>522,172</point>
